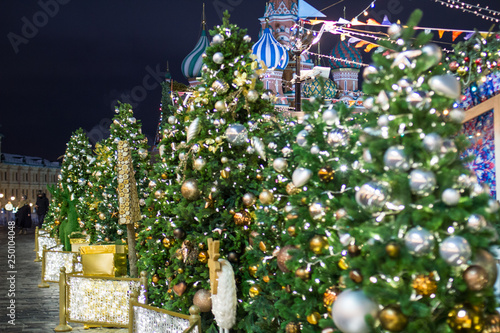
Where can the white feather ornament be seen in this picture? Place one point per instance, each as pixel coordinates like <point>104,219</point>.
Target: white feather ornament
<point>225,302</point>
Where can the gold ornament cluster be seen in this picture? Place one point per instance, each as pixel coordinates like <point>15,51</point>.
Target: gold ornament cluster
<point>127,190</point>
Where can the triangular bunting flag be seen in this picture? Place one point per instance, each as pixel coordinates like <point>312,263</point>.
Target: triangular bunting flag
<point>441,33</point>
<point>306,10</point>
<point>372,21</point>
<point>455,34</point>
<point>386,21</point>
<point>484,34</point>
<point>469,35</point>
<point>342,37</point>
<point>370,47</point>
<point>343,21</point>
<point>355,21</point>
<point>353,40</point>
<point>361,43</point>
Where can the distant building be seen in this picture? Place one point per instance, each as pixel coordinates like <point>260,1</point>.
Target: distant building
<point>25,175</point>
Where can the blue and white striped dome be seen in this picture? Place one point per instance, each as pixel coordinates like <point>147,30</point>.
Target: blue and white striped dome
<point>270,51</point>
<point>191,65</point>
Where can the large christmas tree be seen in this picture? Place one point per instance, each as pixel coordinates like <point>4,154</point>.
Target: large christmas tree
<point>422,260</point>
<point>212,156</point>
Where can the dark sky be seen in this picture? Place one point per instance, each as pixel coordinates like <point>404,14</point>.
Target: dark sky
<point>67,72</point>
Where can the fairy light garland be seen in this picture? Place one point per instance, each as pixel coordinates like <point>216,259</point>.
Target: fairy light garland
<point>483,12</point>
<point>337,59</point>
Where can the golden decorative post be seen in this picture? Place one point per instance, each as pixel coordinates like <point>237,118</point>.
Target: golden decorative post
<point>63,324</point>
<point>43,284</point>
<point>144,284</point>
<point>133,298</point>
<point>213,264</point>
<point>129,210</point>
<point>37,248</point>
<point>194,318</point>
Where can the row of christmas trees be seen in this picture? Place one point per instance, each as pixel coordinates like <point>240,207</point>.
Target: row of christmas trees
<point>358,222</point>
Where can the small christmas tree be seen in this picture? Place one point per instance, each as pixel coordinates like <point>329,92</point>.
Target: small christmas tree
<point>423,237</point>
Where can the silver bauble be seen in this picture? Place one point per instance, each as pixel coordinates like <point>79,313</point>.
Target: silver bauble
<point>217,39</point>
<point>394,31</point>
<point>81,181</point>
<point>372,195</point>
<point>143,153</point>
<point>252,95</point>
<point>218,58</point>
<point>220,87</point>
<point>337,137</point>
<point>330,117</point>
<point>317,210</point>
<point>446,85</point>
<point>493,206</point>
<point>249,199</point>
<point>220,106</point>
<point>193,129</point>
<point>433,53</point>
<point>280,164</point>
<point>172,120</point>
<point>419,241</point>
<point>455,250</point>
<point>487,261</point>
<point>383,120</point>
<point>457,115</point>
<point>395,159</point>
<point>315,150</point>
<point>236,134</point>
<point>224,160</point>
<point>350,309</point>
<point>152,184</point>
<point>369,71</point>
<point>302,138</point>
<point>418,100</point>
<point>450,197</point>
<point>422,182</point>
<point>301,176</point>
<point>189,189</point>
<point>432,142</point>
<point>464,180</point>
<point>448,146</point>
<point>369,103</point>
<point>199,163</point>
<point>476,222</point>
<point>247,39</point>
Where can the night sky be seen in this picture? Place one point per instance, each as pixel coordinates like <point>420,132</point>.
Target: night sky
<point>68,71</point>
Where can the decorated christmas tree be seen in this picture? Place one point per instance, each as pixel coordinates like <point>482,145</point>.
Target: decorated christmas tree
<point>212,156</point>
<point>422,261</point>
<point>103,207</point>
<point>297,251</point>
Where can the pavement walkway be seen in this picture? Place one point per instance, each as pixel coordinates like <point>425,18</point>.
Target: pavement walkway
<point>36,309</point>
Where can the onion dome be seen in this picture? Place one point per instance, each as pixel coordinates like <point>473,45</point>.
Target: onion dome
<point>314,88</point>
<point>344,51</point>
<point>191,65</point>
<point>270,51</point>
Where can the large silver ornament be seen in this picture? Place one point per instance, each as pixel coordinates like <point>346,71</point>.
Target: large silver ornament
<point>280,164</point>
<point>259,147</point>
<point>337,137</point>
<point>422,182</point>
<point>302,138</point>
<point>395,159</point>
<point>350,309</point>
<point>236,134</point>
<point>330,117</point>
<point>450,197</point>
<point>446,85</point>
<point>476,222</point>
<point>217,39</point>
<point>193,129</point>
<point>455,250</point>
<point>372,195</point>
<point>434,54</point>
<point>189,189</point>
<point>457,115</point>
<point>220,106</point>
<point>218,58</point>
<point>432,142</point>
<point>301,176</point>
<point>252,95</point>
<point>199,163</point>
<point>419,241</point>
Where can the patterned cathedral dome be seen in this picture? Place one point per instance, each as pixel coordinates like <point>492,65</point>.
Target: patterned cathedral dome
<point>270,51</point>
<point>313,88</point>
<point>191,65</point>
<point>344,51</point>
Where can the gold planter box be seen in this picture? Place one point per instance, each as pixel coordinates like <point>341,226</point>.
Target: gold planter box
<point>104,260</point>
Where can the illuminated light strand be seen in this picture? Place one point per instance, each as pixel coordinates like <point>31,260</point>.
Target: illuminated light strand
<point>468,8</point>
<point>337,59</point>
<point>365,11</point>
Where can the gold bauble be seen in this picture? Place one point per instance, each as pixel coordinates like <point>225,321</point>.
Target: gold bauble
<point>178,254</point>
<point>492,323</point>
<point>266,279</point>
<point>356,276</point>
<point>262,246</point>
<point>326,174</point>
<point>189,189</point>
<point>318,243</point>
<point>424,284</point>
<point>462,70</point>
<point>291,231</point>
<point>476,278</point>
<point>249,199</point>
<point>203,257</point>
<point>266,197</point>
<point>283,256</point>
<point>180,270</point>
<point>158,194</point>
<point>343,265</point>
<point>167,242</point>
<point>464,318</point>
<point>254,291</point>
<point>242,218</point>
<point>203,299</point>
<point>487,261</point>
<point>313,318</point>
<point>292,215</point>
<point>259,177</point>
<point>292,189</point>
<point>353,250</point>
<point>252,270</point>
<point>155,278</point>
<point>57,222</point>
<point>303,274</point>
<point>225,174</point>
<point>292,328</point>
<point>330,296</point>
<point>392,319</point>
<point>392,249</point>
<point>102,216</point>
<point>164,176</point>
<point>252,237</point>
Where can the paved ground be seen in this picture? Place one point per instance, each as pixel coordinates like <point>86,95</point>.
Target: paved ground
<point>36,309</point>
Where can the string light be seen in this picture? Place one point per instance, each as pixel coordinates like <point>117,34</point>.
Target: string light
<point>337,59</point>
<point>483,12</point>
